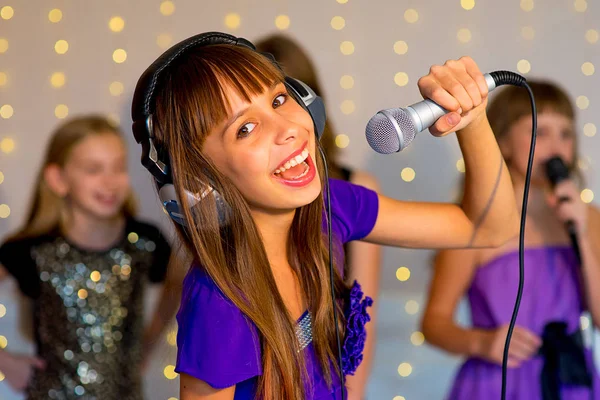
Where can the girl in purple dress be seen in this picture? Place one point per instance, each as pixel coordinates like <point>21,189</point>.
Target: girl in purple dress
<point>256,313</point>
<point>547,359</point>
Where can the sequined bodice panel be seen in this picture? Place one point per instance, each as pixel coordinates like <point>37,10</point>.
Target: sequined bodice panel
<point>89,320</point>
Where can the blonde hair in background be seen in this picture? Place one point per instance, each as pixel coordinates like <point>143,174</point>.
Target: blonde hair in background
<point>47,209</point>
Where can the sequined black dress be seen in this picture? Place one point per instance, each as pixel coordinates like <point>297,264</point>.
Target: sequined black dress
<point>88,309</point>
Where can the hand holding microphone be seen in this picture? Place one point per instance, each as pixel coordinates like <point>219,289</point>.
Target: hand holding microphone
<point>456,91</point>
<point>566,201</point>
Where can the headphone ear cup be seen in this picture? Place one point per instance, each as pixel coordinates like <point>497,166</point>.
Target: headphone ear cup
<point>307,98</point>
<point>170,201</point>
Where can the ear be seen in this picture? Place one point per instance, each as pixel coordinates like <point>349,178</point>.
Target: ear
<point>54,178</point>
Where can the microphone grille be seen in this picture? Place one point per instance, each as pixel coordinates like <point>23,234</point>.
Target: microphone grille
<point>390,131</point>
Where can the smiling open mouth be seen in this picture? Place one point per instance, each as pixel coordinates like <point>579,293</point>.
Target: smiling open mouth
<point>297,171</point>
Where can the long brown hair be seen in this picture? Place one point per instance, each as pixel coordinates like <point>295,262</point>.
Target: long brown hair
<point>294,60</point>
<point>190,101</point>
<point>512,103</point>
<point>47,208</point>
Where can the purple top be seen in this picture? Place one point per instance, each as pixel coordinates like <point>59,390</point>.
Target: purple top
<point>218,344</point>
<point>551,292</point>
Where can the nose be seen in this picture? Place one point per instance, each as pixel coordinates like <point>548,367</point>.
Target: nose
<point>285,129</point>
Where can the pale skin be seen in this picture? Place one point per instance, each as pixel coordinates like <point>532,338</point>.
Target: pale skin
<point>454,269</point>
<point>271,128</point>
<point>95,181</point>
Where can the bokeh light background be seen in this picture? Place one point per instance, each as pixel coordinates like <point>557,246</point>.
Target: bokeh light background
<point>60,58</point>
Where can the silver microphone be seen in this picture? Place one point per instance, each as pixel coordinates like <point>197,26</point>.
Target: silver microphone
<point>392,130</point>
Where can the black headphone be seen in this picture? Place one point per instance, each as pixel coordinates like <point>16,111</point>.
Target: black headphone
<point>156,159</point>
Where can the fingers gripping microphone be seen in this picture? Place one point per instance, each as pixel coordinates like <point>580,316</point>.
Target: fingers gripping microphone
<point>557,171</point>
<point>392,130</point>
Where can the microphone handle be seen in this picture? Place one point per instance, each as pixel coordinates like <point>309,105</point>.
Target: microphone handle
<point>574,241</point>
<point>426,112</point>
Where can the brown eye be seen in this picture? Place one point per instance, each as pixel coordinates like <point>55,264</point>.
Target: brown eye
<point>245,130</point>
<point>279,100</point>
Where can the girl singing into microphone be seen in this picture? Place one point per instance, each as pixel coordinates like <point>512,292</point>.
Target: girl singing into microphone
<point>256,313</point>
<point>546,356</point>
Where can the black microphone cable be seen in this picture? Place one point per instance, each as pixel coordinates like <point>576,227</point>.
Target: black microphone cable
<point>513,319</point>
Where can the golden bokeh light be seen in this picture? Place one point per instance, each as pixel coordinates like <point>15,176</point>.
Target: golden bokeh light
<point>401,79</point>
<point>342,1</point>
<point>411,307</point>
<point>82,294</point>
<point>347,82</point>
<point>460,165</point>
<point>582,102</point>
<point>57,79</point>
<point>233,20</point>
<point>133,237</point>
<point>7,12</point>
<point>338,23</point>
<point>172,338</point>
<point>169,372</point>
<point>164,40</point>
<point>526,5</point>
<point>116,88</point>
<point>400,47</point>
<point>4,211</point>
<point>116,24</point>
<point>407,174</point>
<point>95,276</point>
<point>411,16</point>
<point>398,398</point>
<point>404,369</point>
<point>467,4</point>
<point>61,46</point>
<point>2,310</point>
<point>403,274</point>
<point>587,196</point>
<point>1,376</point>
<point>527,32</point>
<point>347,107</point>
<point>55,15</point>
<point>463,35</point>
<point>119,56</point>
<point>6,111</point>
<point>282,22</point>
<point>7,145</point>
<point>588,68</point>
<point>3,342</point>
<point>523,66</point>
<point>3,45</point>
<point>1,177</point>
<point>167,8</point>
<point>61,111</point>
<point>417,338</point>
<point>580,5</point>
<point>589,129</point>
<point>342,141</point>
<point>347,48</point>
<point>3,78</point>
<point>591,35</point>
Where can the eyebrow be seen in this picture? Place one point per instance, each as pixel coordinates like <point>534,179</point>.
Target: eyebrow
<point>231,120</point>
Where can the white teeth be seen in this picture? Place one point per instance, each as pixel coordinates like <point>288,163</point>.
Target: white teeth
<point>299,159</point>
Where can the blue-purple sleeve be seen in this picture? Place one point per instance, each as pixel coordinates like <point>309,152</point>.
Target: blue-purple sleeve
<point>216,343</point>
<point>354,210</point>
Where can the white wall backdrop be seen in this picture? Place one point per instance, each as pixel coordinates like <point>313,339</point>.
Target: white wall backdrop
<point>555,39</point>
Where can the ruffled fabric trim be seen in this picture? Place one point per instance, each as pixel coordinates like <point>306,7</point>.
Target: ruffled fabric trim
<point>356,318</point>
